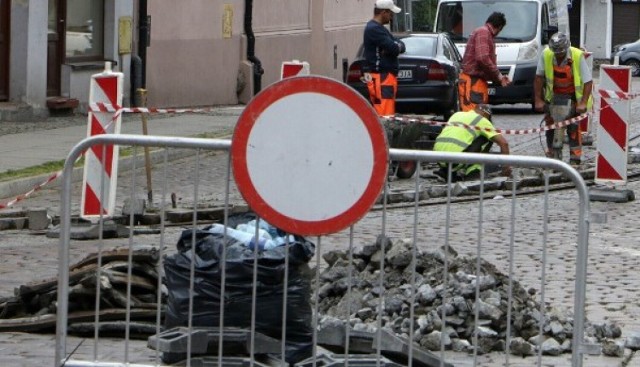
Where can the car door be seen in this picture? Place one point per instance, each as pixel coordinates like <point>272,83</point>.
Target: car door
<point>450,51</point>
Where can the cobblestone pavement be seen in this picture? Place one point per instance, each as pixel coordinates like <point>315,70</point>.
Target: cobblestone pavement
<point>614,252</point>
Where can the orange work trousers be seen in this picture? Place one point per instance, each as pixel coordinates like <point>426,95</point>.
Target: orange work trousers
<point>574,133</point>
<point>382,93</point>
<point>472,91</point>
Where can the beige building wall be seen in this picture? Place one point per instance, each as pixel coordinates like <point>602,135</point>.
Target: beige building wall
<point>189,62</point>
<point>192,62</point>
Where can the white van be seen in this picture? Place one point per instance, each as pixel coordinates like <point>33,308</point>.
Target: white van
<point>530,24</point>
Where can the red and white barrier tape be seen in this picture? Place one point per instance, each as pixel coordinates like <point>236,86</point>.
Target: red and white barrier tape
<point>26,195</point>
<point>609,94</point>
<point>616,94</point>
<point>117,110</point>
<point>420,120</point>
<point>105,107</point>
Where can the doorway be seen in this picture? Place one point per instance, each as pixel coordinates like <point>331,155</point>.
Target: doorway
<point>574,22</point>
<point>5,31</point>
<point>55,45</point>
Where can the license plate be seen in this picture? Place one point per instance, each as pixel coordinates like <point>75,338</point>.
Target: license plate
<point>405,74</point>
<point>492,91</point>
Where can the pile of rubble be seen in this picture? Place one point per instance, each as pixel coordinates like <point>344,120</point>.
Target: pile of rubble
<point>33,308</point>
<point>359,300</point>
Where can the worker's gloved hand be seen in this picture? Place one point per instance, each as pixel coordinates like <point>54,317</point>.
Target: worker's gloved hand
<point>581,108</point>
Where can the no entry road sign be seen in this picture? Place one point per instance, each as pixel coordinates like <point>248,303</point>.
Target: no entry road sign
<point>309,155</point>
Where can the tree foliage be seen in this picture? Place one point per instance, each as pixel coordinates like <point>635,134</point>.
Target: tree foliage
<point>424,15</point>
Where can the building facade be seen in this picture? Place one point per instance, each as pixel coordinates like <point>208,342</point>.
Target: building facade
<point>598,25</point>
<point>213,52</point>
<point>184,53</point>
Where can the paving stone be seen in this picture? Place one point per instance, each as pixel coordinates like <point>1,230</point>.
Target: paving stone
<point>38,219</point>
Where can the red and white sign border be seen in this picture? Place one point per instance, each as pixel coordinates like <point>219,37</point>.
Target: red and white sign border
<point>372,125</point>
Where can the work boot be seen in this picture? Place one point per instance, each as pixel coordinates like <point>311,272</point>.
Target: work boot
<point>472,176</point>
<point>575,162</point>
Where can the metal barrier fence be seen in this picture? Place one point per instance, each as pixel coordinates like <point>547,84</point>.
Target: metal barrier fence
<point>396,275</point>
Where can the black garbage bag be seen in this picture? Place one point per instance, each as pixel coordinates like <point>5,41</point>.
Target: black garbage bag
<point>239,262</point>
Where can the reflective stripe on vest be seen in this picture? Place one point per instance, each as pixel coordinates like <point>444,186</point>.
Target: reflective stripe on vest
<point>576,54</point>
<point>461,141</point>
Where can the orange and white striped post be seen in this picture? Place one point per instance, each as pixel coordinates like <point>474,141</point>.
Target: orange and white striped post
<point>101,161</point>
<point>613,135</point>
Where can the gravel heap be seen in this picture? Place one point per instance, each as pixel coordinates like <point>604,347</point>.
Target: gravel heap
<point>456,300</point>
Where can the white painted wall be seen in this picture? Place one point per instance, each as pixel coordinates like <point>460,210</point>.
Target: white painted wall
<point>597,27</point>
<point>28,64</point>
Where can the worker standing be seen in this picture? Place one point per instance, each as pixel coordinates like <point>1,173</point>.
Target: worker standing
<point>563,72</point>
<point>479,64</point>
<point>381,52</point>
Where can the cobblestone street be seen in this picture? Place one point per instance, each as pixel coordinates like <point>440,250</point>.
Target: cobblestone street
<point>614,251</point>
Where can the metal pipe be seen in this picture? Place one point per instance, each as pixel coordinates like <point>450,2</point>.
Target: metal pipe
<point>144,35</point>
<point>251,47</point>
<point>136,79</point>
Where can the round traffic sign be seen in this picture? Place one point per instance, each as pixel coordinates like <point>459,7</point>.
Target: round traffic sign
<point>309,155</point>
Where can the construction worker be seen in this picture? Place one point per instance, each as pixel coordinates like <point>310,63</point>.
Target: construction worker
<point>476,136</point>
<point>563,72</point>
<point>381,52</point>
<point>479,64</point>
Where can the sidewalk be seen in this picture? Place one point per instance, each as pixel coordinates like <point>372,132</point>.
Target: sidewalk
<point>24,145</point>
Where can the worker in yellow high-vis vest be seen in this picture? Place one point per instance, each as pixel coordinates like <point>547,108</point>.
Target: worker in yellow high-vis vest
<point>563,72</point>
<point>471,132</point>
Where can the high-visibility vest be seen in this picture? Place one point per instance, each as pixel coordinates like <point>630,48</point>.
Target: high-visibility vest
<point>457,138</point>
<point>576,54</point>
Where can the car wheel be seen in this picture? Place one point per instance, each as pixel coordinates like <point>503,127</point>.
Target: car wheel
<point>406,169</point>
<point>635,66</point>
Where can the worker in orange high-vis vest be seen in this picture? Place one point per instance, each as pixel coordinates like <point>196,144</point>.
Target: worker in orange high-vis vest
<point>381,52</point>
<point>563,72</point>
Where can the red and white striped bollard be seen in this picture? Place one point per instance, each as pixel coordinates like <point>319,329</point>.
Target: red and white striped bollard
<point>101,162</point>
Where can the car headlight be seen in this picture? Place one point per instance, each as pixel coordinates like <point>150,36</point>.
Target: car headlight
<point>528,51</point>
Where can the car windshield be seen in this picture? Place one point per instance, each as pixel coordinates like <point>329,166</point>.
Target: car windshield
<point>420,46</point>
<point>460,18</point>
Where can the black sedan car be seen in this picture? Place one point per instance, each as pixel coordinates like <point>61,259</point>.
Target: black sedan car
<point>428,75</point>
<point>629,54</point>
